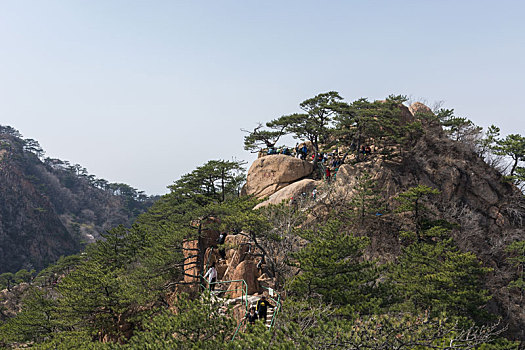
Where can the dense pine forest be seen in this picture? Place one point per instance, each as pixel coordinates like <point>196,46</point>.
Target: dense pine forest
<point>404,230</point>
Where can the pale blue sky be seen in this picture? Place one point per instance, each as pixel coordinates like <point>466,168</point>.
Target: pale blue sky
<point>142,92</point>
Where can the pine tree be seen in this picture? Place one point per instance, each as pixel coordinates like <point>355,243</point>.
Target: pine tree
<point>517,249</point>
<point>39,319</point>
<point>412,201</point>
<point>23,276</point>
<point>313,125</point>
<point>435,275</point>
<point>366,199</point>
<point>214,181</point>
<point>259,138</point>
<point>6,280</point>
<point>459,128</point>
<point>513,146</point>
<point>487,143</point>
<point>432,273</point>
<point>378,123</point>
<point>332,267</point>
<point>198,324</point>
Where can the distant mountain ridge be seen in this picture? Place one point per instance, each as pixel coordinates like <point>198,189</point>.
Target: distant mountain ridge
<point>50,208</point>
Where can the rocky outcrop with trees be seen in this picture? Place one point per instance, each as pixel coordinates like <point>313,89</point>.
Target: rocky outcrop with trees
<point>483,203</point>
<point>394,227</point>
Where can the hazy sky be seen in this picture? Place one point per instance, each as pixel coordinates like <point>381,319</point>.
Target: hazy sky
<point>142,92</point>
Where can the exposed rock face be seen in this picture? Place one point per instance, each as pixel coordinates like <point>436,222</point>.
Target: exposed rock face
<point>491,212</point>
<point>31,233</point>
<point>425,114</point>
<point>419,108</point>
<point>10,300</point>
<point>294,190</point>
<point>348,173</point>
<point>269,174</point>
<point>239,263</point>
<point>190,249</point>
<point>406,115</point>
<point>236,251</point>
<point>247,271</point>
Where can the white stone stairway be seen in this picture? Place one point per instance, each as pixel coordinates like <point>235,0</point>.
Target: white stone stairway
<point>269,317</point>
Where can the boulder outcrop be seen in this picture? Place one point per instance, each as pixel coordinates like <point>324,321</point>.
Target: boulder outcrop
<point>406,116</point>
<point>294,190</point>
<point>269,174</point>
<point>419,108</point>
<point>239,263</point>
<point>247,271</point>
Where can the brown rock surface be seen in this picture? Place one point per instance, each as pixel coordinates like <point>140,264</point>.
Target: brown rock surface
<point>247,271</point>
<point>291,191</point>
<point>269,174</point>
<point>266,281</point>
<point>235,254</point>
<point>425,114</point>
<point>419,108</point>
<point>234,241</point>
<point>406,115</point>
<point>189,249</point>
<point>11,300</point>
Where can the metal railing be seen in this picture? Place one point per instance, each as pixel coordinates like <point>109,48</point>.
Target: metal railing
<point>244,297</point>
<point>243,289</point>
<point>238,328</point>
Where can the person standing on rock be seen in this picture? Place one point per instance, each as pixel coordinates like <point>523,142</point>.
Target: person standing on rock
<point>304,152</point>
<point>262,308</point>
<point>212,276</point>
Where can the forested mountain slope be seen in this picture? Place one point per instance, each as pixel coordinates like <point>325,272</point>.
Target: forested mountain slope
<point>49,208</point>
<point>385,227</point>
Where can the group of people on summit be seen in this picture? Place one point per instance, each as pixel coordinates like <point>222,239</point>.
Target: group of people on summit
<point>331,161</point>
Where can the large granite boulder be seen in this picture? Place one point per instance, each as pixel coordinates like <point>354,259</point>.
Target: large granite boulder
<point>419,109</point>
<point>427,118</point>
<point>269,174</point>
<point>294,190</point>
